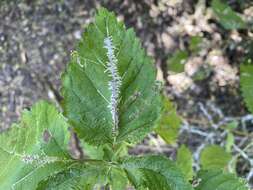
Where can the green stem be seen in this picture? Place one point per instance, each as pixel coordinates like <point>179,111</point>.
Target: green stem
<point>107,187</point>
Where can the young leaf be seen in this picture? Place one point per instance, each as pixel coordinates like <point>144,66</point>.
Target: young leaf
<point>246,82</point>
<point>228,18</point>
<point>185,161</point>
<point>34,149</point>
<point>154,172</point>
<point>169,123</point>
<point>214,157</point>
<point>92,152</point>
<point>109,87</point>
<point>217,179</point>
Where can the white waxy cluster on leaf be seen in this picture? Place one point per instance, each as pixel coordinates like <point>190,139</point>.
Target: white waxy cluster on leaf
<point>114,83</point>
<point>38,160</point>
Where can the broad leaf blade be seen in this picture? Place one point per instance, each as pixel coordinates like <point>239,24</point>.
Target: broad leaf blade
<point>246,82</point>
<point>216,179</point>
<point>118,179</point>
<point>80,176</point>
<point>86,92</point>
<point>154,172</point>
<point>185,161</point>
<point>214,157</point>
<point>26,157</point>
<point>169,123</point>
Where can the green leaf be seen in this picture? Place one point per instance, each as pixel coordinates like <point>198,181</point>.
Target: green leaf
<point>93,152</point>
<point>217,179</point>
<point>214,157</point>
<point>83,176</point>
<point>232,125</point>
<point>118,179</point>
<point>177,61</point>
<point>154,172</point>
<point>228,18</point>
<point>230,141</point>
<point>185,161</point>
<point>169,123</point>
<point>105,152</point>
<point>246,82</point>
<point>195,42</point>
<point>202,73</point>
<point>34,149</point>
<point>86,85</point>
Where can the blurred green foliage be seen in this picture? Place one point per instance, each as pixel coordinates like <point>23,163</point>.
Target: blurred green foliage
<point>195,43</point>
<point>228,18</point>
<point>214,157</point>
<point>185,161</point>
<point>177,61</point>
<point>169,124</point>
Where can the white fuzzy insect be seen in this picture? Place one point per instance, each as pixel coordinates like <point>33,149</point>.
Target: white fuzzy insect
<point>114,83</point>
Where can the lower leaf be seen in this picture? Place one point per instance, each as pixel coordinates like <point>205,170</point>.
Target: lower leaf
<point>34,149</point>
<point>77,177</point>
<point>217,179</point>
<point>154,172</point>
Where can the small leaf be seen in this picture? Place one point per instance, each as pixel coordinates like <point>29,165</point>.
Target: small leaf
<point>217,179</point>
<point>229,142</point>
<point>177,61</point>
<point>202,73</point>
<point>228,18</point>
<point>105,106</point>
<point>185,162</point>
<point>169,123</point>
<point>214,157</point>
<point>154,172</point>
<point>232,125</point>
<point>104,152</point>
<point>246,82</point>
<point>195,42</point>
<point>26,157</point>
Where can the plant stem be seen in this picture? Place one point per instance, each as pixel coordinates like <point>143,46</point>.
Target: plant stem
<point>107,187</point>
